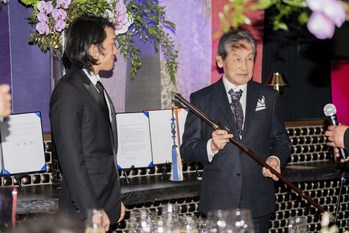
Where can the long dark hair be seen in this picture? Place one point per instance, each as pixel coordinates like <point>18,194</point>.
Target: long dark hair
<point>84,31</point>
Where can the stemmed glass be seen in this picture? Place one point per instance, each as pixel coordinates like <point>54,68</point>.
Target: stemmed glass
<point>142,220</point>
<point>297,225</point>
<point>170,217</point>
<point>242,220</point>
<point>94,222</point>
<point>236,220</point>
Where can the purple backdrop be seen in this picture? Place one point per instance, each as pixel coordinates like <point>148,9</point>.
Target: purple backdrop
<point>25,67</point>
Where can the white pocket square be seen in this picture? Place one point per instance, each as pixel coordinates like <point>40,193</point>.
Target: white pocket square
<point>260,104</point>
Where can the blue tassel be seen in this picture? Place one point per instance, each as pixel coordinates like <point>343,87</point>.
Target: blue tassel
<point>175,175</point>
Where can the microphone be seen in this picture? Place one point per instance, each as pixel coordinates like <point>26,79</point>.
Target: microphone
<point>330,111</point>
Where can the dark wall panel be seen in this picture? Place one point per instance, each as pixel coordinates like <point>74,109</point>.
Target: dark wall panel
<point>305,63</point>
<point>5,74</point>
<point>143,92</point>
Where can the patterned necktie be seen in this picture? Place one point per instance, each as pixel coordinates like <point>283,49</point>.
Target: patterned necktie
<point>237,109</point>
<point>103,102</point>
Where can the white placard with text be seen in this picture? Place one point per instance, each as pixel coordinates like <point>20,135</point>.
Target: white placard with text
<point>134,148</point>
<point>22,144</point>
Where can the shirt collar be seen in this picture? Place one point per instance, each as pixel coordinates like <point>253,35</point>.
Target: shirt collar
<point>228,85</point>
<point>92,77</point>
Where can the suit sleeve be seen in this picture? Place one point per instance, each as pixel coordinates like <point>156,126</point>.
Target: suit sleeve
<point>66,112</point>
<point>194,146</point>
<point>280,143</point>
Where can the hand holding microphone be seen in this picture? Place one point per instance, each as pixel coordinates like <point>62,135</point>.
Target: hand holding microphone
<point>335,132</point>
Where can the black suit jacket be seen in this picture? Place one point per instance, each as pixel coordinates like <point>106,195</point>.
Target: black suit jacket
<point>85,145</point>
<point>232,179</point>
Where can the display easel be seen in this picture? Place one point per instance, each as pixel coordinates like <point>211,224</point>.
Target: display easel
<point>124,171</point>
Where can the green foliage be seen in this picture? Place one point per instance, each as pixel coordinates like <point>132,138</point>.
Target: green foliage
<point>234,12</point>
<point>149,23</point>
<point>30,2</point>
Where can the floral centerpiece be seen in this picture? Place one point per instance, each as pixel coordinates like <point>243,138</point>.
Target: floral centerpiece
<point>143,17</point>
<point>321,17</point>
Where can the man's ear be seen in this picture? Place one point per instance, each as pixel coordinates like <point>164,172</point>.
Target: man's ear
<point>219,61</point>
<point>94,52</point>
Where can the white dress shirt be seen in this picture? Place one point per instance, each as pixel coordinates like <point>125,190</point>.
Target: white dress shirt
<point>228,85</point>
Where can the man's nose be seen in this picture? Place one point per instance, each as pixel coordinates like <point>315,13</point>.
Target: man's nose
<point>243,64</point>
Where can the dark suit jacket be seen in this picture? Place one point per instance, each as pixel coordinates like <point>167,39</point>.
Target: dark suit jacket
<point>232,179</point>
<point>85,146</point>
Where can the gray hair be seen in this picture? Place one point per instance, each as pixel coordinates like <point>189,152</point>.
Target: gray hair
<point>230,38</point>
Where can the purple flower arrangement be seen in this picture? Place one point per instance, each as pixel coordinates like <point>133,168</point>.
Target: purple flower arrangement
<point>326,15</point>
<point>52,17</point>
<point>121,18</point>
<point>146,18</point>
<point>58,15</point>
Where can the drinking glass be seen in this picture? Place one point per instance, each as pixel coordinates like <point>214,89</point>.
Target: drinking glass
<point>242,221</point>
<point>142,220</point>
<point>297,225</point>
<point>217,221</point>
<point>235,220</point>
<point>94,222</point>
<point>187,224</point>
<point>171,210</point>
<point>170,217</point>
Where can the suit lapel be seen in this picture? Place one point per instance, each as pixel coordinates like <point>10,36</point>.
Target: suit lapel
<point>90,92</point>
<point>95,94</point>
<point>113,124</point>
<point>93,97</point>
<point>251,103</point>
<point>223,107</point>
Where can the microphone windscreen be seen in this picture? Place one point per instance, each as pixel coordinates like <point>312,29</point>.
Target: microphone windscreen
<point>330,110</point>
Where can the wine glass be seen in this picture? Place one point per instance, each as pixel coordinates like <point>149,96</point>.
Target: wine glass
<point>187,224</point>
<point>235,220</point>
<point>170,217</point>
<point>297,225</point>
<point>242,220</point>
<point>142,220</point>
<point>171,210</point>
<point>218,221</point>
<point>94,222</point>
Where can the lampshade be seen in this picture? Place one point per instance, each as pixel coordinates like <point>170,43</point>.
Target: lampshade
<point>277,81</point>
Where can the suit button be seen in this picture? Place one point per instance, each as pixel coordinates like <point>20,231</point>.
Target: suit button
<point>238,174</point>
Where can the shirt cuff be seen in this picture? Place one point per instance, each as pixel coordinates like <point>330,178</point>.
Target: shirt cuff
<point>275,157</point>
<point>210,154</point>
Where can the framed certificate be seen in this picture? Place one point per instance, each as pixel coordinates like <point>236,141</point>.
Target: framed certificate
<point>22,144</point>
<point>146,138</point>
<point>161,135</point>
<point>134,148</point>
